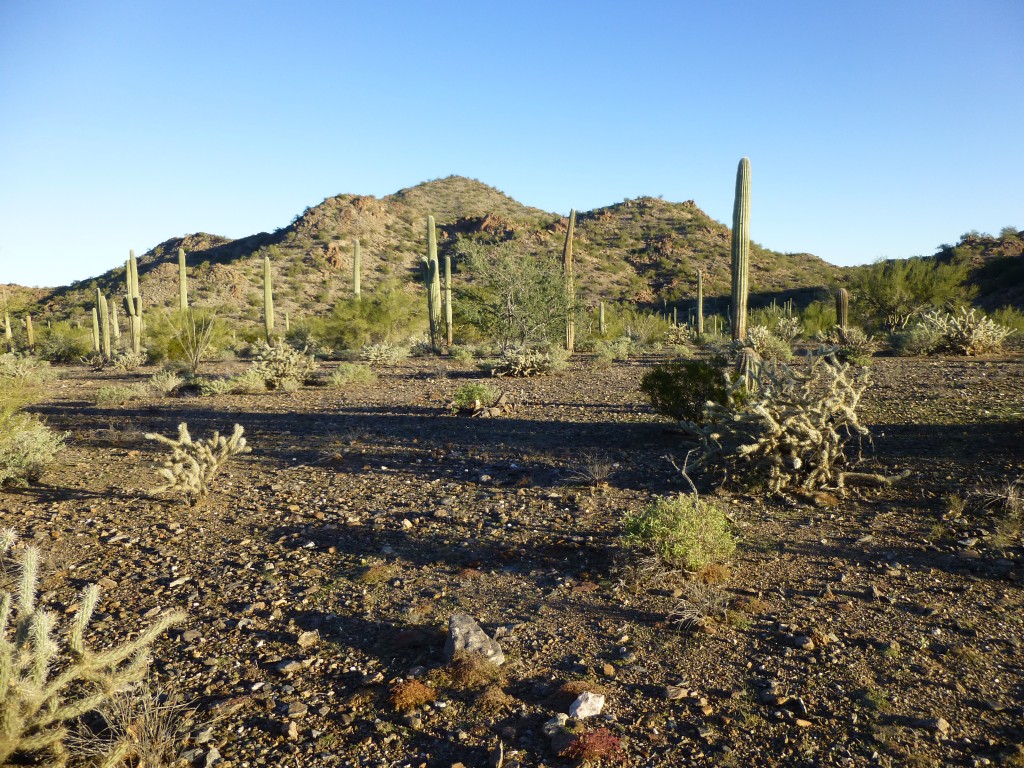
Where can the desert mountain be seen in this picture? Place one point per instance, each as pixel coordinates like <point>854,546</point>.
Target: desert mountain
<point>646,250</point>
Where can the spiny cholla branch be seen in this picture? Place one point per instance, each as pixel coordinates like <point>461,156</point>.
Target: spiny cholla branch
<point>786,427</point>
<point>44,683</point>
<point>193,465</point>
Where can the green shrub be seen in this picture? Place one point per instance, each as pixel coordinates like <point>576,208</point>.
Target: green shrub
<point>679,389</point>
<point>27,447</point>
<point>383,353</point>
<point>62,343</point>
<point>468,395</point>
<point>347,374</point>
<point>388,314</point>
<point>462,355</point>
<point>683,531</point>
<point>919,339</point>
<point>165,382</point>
<point>767,345</point>
<point>119,395</point>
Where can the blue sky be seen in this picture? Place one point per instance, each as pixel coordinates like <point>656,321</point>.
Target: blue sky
<point>874,128</point>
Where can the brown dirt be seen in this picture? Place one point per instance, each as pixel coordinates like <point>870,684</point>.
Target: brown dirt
<point>914,612</point>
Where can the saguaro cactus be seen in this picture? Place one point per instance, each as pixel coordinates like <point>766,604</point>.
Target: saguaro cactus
<point>570,289</point>
<point>432,277</point>
<point>8,334</point>
<point>268,301</point>
<point>449,332</point>
<point>114,325</point>
<point>601,327</point>
<point>741,250</point>
<point>95,329</point>
<point>700,302</point>
<point>356,267</point>
<point>133,302</point>
<point>101,306</point>
<point>182,285</point>
<point>843,308</point>
<point>30,333</point>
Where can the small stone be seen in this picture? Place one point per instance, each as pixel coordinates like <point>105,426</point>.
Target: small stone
<point>673,692</point>
<point>801,723</point>
<point>191,635</point>
<point>465,635</point>
<point>587,705</point>
<point>287,666</point>
<point>290,730</point>
<point>296,709</point>
<point>803,643</point>
<point>938,724</point>
<point>608,670</point>
<point>308,639</point>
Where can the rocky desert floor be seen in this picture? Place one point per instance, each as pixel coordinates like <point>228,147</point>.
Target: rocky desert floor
<point>880,628</point>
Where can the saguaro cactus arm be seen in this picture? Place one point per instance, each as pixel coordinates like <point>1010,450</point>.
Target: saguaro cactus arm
<point>741,250</point>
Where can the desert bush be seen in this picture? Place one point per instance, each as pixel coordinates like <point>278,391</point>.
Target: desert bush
<point>50,679</point>
<point>818,317</point>
<point>476,392</point>
<point>967,332</point>
<point>597,747</point>
<point>520,363</point>
<point>165,382</point>
<point>139,727</point>
<point>700,604</point>
<point>678,336</point>
<point>767,345</point>
<point>27,448</point>
<point>462,355</point>
<point>644,329</point>
<point>383,353</point>
<point>594,469</point>
<point>680,389</point>
<point>407,695</point>
<point>684,531</point>
<point>609,351</point>
<point>918,339</point>
<point>195,335</point>
<point>127,361</point>
<point>892,293</point>
<point>516,298</point>
<point>347,374</point>
<point>283,367</point>
<point>789,329</point>
<point>192,465</point>
<point>387,314</point>
<point>789,429</point>
<point>850,344</point>
<point>62,343</point>
<point>121,394</point>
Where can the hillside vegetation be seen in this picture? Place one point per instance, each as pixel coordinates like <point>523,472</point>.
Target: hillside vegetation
<point>645,250</point>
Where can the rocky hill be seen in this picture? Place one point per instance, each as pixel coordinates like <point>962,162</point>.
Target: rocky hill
<point>645,250</point>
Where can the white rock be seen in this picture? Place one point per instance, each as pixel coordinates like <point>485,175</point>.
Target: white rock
<point>587,705</point>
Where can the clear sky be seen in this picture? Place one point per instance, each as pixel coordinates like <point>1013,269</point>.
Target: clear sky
<point>874,128</point>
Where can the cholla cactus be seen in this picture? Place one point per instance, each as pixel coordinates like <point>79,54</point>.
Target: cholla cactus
<point>967,332</point>
<point>768,345</point>
<point>193,465</point>
<point>284,367</point>
<point>848,344</point>
<point>788,329</point>
<point>789,429</point>
<point>382,353</point>
<point>523,362</point>
<point>45,682</point>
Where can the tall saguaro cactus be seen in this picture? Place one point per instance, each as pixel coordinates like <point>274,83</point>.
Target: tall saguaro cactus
<point>570,288</point>
<point>268,300</point>
<point>182,284</point>
<point>356,267</point>
<point>104,313</point>
<point>30,333</point>
<point>133,302</point>
<point>843,309</point>
<point>448,327</point>
<point>432,278</point>
<point>8,333</point>
<point>96,329</point>
<point>601,327</point>
<point>741,250</point>
<point>700,302</point>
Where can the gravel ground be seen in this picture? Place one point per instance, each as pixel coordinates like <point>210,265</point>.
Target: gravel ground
<point>884,628</point>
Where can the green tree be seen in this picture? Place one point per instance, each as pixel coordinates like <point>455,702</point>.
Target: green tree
<point>515,297</point>
<point>891,293</point>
